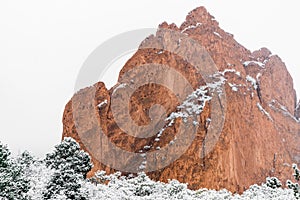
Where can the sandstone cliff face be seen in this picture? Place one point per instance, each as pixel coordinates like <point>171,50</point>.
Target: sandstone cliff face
<point>297,111</point>
<point>260,136</point>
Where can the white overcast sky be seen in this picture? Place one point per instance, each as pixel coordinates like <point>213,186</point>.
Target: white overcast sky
<point>44,43</point>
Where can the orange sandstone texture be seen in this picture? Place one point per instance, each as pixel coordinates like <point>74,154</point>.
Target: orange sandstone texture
<point>260,136</point>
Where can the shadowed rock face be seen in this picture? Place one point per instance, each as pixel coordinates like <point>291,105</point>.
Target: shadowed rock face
<point>260,136</point>
<point>297,111</point>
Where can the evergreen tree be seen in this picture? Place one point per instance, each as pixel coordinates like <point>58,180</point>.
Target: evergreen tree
<point>295,186</point>
<point>13,183</point>
<point>71,165</point>
<point>4,156</point>
<point>68,155</point>
<point>25,159</point>
<point>273,182</point>
<point>66,183</point>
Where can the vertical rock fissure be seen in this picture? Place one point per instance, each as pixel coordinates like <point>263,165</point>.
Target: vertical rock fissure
<point>203,151</point>
<point>274,162</point>
<point>259,92</point>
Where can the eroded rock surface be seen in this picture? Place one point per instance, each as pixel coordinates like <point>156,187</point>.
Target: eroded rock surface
<point>260,136</point>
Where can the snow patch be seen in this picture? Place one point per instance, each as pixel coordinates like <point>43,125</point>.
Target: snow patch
<point>160,52</point>
<point>122,85</point>
<point>252,81</point>
<point>230,71</point>
<point>191,106</point>
<point>218,34</point>
<point>281,108</point>
<point>234,87</point>
<point>258,76</point>
<point>191,27</point>
<point>102,104</point>
<point>247,63</point>
<point>264,111</point>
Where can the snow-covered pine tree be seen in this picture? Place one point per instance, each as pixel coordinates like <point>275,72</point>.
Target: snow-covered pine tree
<point>65,183</point>
<point>4,156</point>
<point>68,155</point>
<point>25,159</point>
<point>13,183</point>
<point>295,186</point>
<point>273,182</point>
<point>71,165</point>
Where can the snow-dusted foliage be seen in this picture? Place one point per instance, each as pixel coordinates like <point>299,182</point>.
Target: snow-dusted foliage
<point>273,182</point>
<point>64,183</point>
<point>39,176</point>
<point>265,192</point>
<point>71,166</point>
<point>13,183</point>
<point>59,182</point>
<point>68,155</point>
<point>25,159</point>
<point>142,188</point>
<point>295,186</point>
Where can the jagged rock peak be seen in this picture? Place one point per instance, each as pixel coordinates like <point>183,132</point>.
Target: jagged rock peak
<point>261,54</point>
<point>171,26</point>
<point>199,16</point>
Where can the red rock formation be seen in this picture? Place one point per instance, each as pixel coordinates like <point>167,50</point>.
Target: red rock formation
<point>260,136</point>
<point>297,111</point>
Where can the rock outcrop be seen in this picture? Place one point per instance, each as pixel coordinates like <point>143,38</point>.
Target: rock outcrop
<point>260,136</point>
<point>297,111</point>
